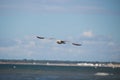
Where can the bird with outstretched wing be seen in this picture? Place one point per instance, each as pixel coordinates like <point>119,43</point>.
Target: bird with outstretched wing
<point>60,41</point>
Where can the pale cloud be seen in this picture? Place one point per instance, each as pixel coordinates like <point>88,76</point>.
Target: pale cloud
<point>56,1</point>
<point>111,43</point>
<point>49,8</point>
<point>88,34</point>
<point>33,48</point>
<point>4,49</point>
<point>21,48</point>
<point>55,6</point>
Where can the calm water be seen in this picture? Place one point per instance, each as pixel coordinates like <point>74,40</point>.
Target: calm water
<point>40,72</point>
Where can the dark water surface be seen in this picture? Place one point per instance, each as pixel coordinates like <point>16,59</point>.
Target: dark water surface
<point>45,72</point>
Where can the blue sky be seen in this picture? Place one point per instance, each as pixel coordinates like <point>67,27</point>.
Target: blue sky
<point>94,23</point>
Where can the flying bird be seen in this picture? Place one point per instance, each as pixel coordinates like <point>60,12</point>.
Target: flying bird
<point>60,41</point>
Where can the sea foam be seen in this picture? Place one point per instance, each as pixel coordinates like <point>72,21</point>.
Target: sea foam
<point>102,74</point>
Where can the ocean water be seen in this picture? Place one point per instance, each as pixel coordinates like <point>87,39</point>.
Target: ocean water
<point>45,72</point>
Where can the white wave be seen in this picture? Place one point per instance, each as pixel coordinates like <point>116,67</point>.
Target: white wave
<point>102,74</point>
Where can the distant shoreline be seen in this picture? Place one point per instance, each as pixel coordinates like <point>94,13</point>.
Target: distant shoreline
<point>61,63</point>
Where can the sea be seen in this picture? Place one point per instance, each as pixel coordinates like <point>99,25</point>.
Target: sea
<point>48,72</point>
